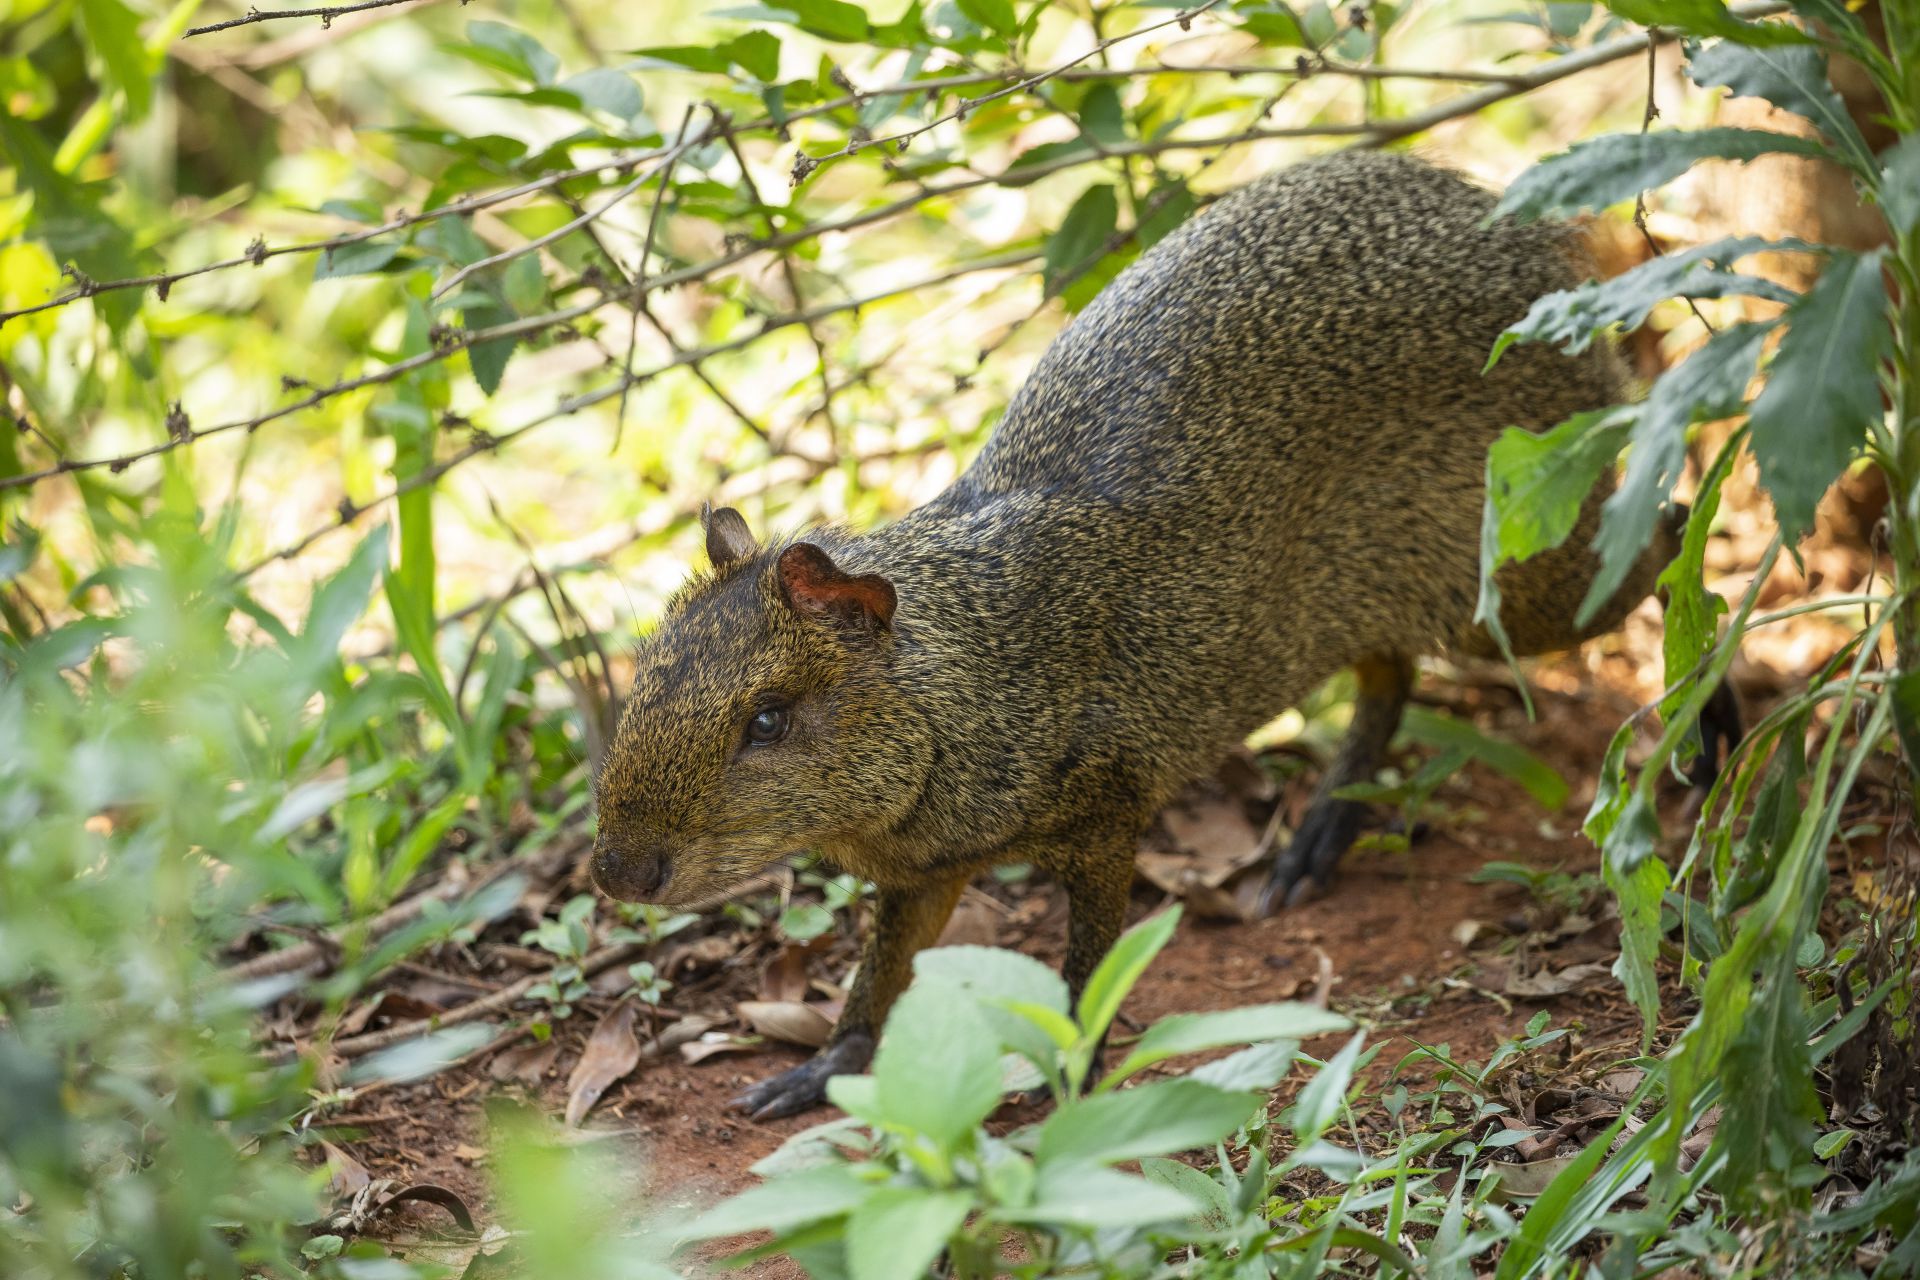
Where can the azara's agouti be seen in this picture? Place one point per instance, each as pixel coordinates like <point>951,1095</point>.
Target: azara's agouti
<point>1257,458</point>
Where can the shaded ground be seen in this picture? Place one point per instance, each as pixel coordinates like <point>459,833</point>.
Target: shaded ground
<point>1413,947</point>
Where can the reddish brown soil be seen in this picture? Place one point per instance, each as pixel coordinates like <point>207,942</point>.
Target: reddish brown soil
<point>1389,930</point>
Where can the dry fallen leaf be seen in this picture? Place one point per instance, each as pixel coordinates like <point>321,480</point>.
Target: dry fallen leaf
<point>785,977</point>
<point>714,1043</point>
<point>1525,1181</point>
<point>611,1052</point>
<point>1216,831</point>
<point>975,922</point>
<point>1557,982</point>
<point>787,1020</point>
<point>529,1063</point>
<point>345,1174</point>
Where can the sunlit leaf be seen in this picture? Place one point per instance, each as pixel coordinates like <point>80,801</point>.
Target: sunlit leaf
<point>1606,170</point>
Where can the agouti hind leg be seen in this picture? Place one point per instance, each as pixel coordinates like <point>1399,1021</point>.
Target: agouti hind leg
<point>1331,823</point>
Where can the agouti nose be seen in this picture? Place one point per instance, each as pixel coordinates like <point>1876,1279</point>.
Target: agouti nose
<point>630,875</point>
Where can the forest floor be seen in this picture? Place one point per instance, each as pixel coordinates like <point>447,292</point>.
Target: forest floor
<point>1421,946</point>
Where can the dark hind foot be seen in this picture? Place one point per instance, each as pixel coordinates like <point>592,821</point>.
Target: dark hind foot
<point>1720,732</point>
<point>805,1086</point>
<point>1305,867</point>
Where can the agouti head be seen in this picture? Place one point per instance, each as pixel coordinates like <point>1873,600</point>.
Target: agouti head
<point>763,721</point>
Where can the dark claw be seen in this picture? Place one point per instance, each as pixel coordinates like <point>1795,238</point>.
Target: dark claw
<point>1720,726</point>
<point>804,1087</point>
<point>1305,866</point>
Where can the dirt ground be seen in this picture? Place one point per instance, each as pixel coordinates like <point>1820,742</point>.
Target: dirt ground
<point>1412,946</point>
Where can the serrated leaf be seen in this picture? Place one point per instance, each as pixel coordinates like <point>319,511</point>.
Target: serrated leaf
<point>1823,388</point>
<point>1573,318</point>
<point>1706,18</point>
<point>1604,171</point>
<point>1711,383</point>
<point>1792,77</point>
<point>1691,614</point>
<point>1768,1125</point>
<point>1536,482</point>
<point>1639,882</point>
<point>1900,183</point>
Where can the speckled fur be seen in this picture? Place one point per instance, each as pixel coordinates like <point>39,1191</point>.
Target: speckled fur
<point>1255,459</point>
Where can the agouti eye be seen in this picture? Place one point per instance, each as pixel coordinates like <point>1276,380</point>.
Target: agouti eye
<point>767,727</point>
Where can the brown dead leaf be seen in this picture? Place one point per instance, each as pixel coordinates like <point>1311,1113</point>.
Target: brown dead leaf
<point>785,977</point>
<point>1556,982</point>
<point>715,1043</point>
<point>611,1052</point>
<point>1526,1181</point>
<point>345,1175</point>
<point>1242,776</point>
<point>529,1063</point>
<point>790,1021</point>
<point>1216,832</point>
<point>974,923</point>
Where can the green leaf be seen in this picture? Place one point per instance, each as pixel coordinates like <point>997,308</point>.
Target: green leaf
<point>360,258</point>
<point>1823,388</point>
<point>1161,1118</point>
<point>1573,318</point>
<point>1706,18</point>
<point>898,1233</point>
<point>1193,1032</point>
<point>1639,881</point>
<point>608,90</point>
<point>1093,1197</point>
<point>1102,117</point>
<point>938,1067</point>
<point>785,1203</point>
<point>1536,483</point>
<point>1541,780</point>
<point>1121,968</point>
<point>1023,1000</point>
<point>828,19</point>
<point>336,604</point>
<point>1604,171</point>
<point>1711,383</point>
<point>489,359</point>
<point>1274,24</point>
<point>1768,1126</point>
<point>1260,1066</point>
<point>1900,184</point>
<point>514,52</point>
<point>805,921</point>
<point>995,14</point>
<point>1324,1096</point>
<point>1691,614</point>
<point>1196,1186</point>
<point>1084,232</point>
<point>711,59</point>
<point>114,32</point>
<point>1792,77</point>
<point>757,53</point>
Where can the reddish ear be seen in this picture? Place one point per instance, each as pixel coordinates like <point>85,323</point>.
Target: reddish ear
<point>814,584</point>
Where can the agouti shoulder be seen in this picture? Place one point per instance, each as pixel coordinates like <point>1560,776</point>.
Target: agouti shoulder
<point>1255,459</point>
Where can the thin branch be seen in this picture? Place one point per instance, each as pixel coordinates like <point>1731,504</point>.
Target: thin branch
<point>326,15</point>
<point>638,276</point>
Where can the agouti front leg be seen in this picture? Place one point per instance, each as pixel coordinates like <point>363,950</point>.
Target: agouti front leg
<point>905,922</point>
<point>1332,823</point>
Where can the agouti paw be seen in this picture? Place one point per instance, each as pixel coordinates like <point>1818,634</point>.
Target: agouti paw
<point>805,1086</point>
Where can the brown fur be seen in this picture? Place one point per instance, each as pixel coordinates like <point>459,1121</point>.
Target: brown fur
<point>1257,458</point>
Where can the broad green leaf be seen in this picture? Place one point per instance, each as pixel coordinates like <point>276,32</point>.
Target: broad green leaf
<point>1541,780</point>
<point>1274,24</point>
<point>1639,882</point>
<point>512,51</point>
<point>756,52</point>
<point>1691,612</point>
<point>995,14</point>
<point>1023,1000</point>
<point>1193,1032</point>
<point>1706,18</point>
<point>1900,183</point>
<point>1121,968</point>
<point>1087,228</point>
<point>711,59</point>
<point>488,359</point>
<point>1792,77</point>
<point>1261,1066</point>
<point>785,1203</point>
<point>1604,171</point>
<point>360,258</point>
<point>898,1233</point>
<point>1324,1096</point>
<point>1196,1186</point>
<point>828,19</point>
<point>1102,117</point>
<point>1536,482</point>
<point>114,32</point>
<point>608,90</point>
<point>1711,383</point>
<point>1090,1196</point>
<point>1161,1118</point>
<point>938,1066</point>
<point>1823,387</point>
<point>1573,318</point>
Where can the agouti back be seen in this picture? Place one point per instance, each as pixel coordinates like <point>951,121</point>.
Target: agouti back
<point>1257,458</point>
